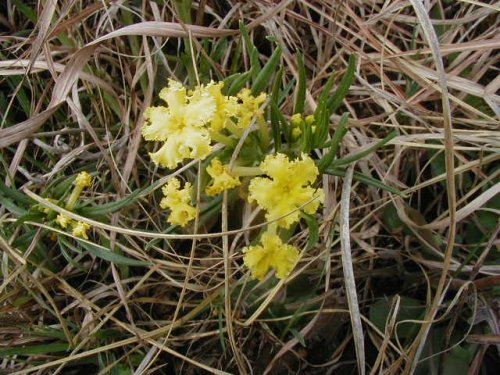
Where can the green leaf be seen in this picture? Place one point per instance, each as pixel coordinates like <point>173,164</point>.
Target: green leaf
<point>322,114</point>
<point>366,152</point>
<point>409,309</point>
<point>106,254</point>
<point>300,99</point>
<point>16,195</point>
<point>275,118</point>
<point>336,99</point>
<point>35,349</point>
<point>253,53</point>
<point>340,132</point>
<point>264,76</point>
<point>313,226</point>
<point>26,10</point>
<point>238,83</point>
<point>11,206</point>
<point>107,208</point>
<point>368,180</point>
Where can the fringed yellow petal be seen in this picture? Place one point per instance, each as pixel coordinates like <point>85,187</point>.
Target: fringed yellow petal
<point>222,179</point>
<point>271,254</point>
<point>287,189</point>
<point>178,201</point>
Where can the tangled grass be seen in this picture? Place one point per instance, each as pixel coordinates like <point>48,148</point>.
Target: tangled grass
<point>402,277</point>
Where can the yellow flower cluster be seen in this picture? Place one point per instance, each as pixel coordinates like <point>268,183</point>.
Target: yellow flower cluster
<point>184,125</point>
<point>178,201</point>
<point>83,180</point>
<point>273,253</point>
<point>250,107</point>
<point>287,189</point>
<point>222,179</point>
<point>79,228</point>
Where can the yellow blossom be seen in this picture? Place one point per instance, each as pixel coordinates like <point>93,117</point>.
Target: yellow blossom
<point>287,189</point>
<point>223,180</point>
<point>80,229</point>
<point>181,124</point>
<point>225,106</point>
<point>83,180</point>
<point>178,201</point>
<point>271,254</point>
<point>249,107</point>
<point>63,220</point>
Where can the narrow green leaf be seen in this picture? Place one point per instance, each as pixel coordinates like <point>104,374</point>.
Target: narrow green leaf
<point>11,206</point>
<point>312,224</point>
<point>107,208</point>
<point>26,10</point>
<point>253,53</point>
<point>368,180</point>
<point>322,114</point>
<point>238,83</point>
<point>337,138</point>
<point>275,118</point>
<point>15,195</point>
<point>336,99</point>
<point>35,349</point>
<point>362,154</point>
<point>300,99</point>
<point>264,76</point>
<point>106,254</point>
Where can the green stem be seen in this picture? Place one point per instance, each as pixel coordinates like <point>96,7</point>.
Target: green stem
<point>221,138</point>
<point>246,171</point>
<point>75,194</point>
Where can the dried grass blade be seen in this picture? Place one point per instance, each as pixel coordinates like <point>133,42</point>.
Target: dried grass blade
<point>430,35</point>
<point>350,283</point>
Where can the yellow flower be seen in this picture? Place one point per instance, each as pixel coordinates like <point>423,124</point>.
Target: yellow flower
<point>288,188</point>
<point>271,254</point>
<point>83,180</point>
<point>249,108</point>
<point>187,143</point>
<point>225,106</point>
<point>80,229</point>
<point>63,220</point>
<point>222,178</point>
<point>178,201</point>
<point>181,124</point>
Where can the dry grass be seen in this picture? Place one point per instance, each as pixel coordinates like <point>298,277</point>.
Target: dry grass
<point>137,298</point>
